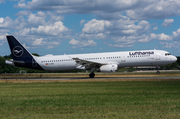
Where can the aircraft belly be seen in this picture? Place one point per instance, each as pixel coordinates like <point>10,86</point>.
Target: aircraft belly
<point>58,66</point>
<point>138,62</point>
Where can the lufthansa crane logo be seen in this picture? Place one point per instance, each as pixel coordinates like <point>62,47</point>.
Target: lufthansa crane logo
<point>18,51</point>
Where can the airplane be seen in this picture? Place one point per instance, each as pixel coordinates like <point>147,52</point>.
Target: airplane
<point>103,62</point>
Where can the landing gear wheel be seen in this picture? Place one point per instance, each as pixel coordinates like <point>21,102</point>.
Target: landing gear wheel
<point>91,75</point>
<point>158,72</point>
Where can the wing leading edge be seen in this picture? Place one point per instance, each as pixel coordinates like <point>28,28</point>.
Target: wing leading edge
<point>86,64</point>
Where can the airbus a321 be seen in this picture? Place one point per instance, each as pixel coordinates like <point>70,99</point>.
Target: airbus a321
<point>103,62</point>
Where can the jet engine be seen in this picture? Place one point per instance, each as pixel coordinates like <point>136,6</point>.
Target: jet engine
<point>108,68</point>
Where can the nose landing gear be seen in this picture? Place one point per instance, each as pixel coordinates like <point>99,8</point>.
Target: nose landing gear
<point>158,72</point>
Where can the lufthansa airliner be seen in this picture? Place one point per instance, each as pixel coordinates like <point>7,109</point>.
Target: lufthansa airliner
<point>103,62</point>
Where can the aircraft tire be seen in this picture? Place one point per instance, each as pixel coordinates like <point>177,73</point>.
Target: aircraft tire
<point>91,75</point>
<point>158,72</point>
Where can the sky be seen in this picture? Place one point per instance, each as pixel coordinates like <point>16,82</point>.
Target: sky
<point>89,26</point>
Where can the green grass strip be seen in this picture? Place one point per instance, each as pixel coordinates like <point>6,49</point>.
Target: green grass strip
<point>120,99</point>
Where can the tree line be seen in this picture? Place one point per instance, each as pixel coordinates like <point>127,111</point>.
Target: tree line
<point>4,68</point>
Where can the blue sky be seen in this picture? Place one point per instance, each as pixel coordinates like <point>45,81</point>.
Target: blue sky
<point>90,26</point>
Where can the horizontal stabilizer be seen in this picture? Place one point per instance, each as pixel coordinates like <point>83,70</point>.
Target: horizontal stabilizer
<point>20,62</point>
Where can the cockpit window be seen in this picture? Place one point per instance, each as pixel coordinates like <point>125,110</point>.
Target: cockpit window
<point>166,54</point>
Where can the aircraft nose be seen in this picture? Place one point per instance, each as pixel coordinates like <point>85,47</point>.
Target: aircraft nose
<point>175,59</point>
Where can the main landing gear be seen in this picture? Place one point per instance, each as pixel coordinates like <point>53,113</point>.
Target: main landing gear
<point>91,75</point>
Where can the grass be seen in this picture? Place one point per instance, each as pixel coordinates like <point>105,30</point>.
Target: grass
<point>102,99</point>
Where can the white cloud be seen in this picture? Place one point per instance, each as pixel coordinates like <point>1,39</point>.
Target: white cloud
<point>36,24</point>
<point>96,26</point>
<point>43,42</point>
<point>54,43</point>
<point>50,47</point>
<point>130,40</point>
<point>23,13</point>
<point>155,9</point>
<point>155,28</point>
<point>41,14</point>
<point>52,29</point>
<point>176,33</point>
<point>38,42</point>
<point>7,22</point>
<point>161,37</point>
<point>54,17</point>
<point>110,24</point>
<point>135,9</point>
<point>37,19</point>
<point>164,37</point>
<point>27,47</point>
<point>169,45</point>
<point>2,37</point>
<point>159,8</point>
<point>80,6</point>
<point>167,22</point>
<point>1,20</point>
<point>93,36</point>
<point>82,43</point>
<point>144,39</point>
<point>153,36</point>
<point>73,42</point>
<point>124,32</point>
<point>82,22</point>
<point>125,41</point>
<point>175,42</point>
<point>130,31</point>
<point>143,27</point>
<point>121,45</point>
<point>127,27</point>
<point>36,27</point>
<point>21,4</point>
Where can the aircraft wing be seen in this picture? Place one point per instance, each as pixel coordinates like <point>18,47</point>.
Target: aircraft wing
<point>87,64</point>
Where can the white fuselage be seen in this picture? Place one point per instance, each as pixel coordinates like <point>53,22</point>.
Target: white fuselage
<point>122,59</point>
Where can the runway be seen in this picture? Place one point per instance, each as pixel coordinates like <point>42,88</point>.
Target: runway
<point>96,78</point>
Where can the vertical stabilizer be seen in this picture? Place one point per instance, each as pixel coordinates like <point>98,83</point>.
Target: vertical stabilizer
<point>21,56</point>
<point>17,50</point>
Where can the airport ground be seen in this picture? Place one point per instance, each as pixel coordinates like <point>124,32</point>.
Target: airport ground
<point>140,95</point>
<point>98,75</point>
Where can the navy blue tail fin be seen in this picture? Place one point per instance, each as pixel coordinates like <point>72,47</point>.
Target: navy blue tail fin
<point>17,50</point>
<point>21,56</point>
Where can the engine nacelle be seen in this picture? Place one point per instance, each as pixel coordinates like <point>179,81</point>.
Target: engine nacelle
<point>108,68</point>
